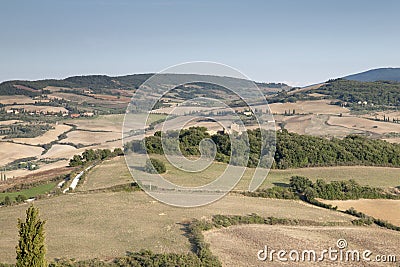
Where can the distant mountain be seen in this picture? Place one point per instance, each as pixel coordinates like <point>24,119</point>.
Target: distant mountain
<point>382,74</point>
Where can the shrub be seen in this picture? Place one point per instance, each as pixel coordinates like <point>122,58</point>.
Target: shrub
<point>155,166</point>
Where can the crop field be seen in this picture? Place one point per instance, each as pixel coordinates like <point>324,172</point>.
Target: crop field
<point>306,107</point>
<point>238,245</point>
<point>15,99</point>
<point>47,137</point>
<point>106,225</point>
<point>60,151</point>
<point>386,209</point>
<point>12,151</point>
<point>101,123</point>
<point>316,125</point>
<point>362,124</point>
<point>90,138</point>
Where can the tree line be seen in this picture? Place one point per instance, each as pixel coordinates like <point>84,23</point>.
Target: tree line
<point>288,150</point>
<point>91,155</point>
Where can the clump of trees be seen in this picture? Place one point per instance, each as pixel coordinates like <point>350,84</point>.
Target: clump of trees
<point>91,155</point>
<point>278,192</point>
<point>299,151</point>
<point>227,150</point>
<point>155,166</point>
<point>336,190</point>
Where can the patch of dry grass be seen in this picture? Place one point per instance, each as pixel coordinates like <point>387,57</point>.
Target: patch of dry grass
<point>106,225</point>
<point>12,151</point>
<point>385,209</point>
<point>238,245</point>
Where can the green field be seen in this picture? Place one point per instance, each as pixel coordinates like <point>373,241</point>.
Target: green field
<point>373,176</point>
<point>104,175</point>
<point>31,192</point>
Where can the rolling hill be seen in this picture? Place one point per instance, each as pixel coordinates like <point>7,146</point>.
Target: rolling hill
<point>381,74</point>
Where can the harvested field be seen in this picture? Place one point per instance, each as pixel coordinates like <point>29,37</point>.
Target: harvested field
<point>12,151</point>
<point>12,99</point>
<point>316,125</point>
<point>102,123</point>
<point>239,245</point>
<point>89,138</point>
<point>46,138</point>
<point>305,107</point>
<point>106,225</point>
<point>385,209</point>
<point>60,151</point>
<point>362,124</point>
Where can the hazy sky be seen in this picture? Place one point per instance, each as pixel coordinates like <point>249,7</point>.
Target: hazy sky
<point>298,41</point>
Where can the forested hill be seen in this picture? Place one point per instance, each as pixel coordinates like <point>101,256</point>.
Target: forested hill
<point>103,83</point>
<point>353,94</point>
<point>382,74</point>
<point>93,82</point>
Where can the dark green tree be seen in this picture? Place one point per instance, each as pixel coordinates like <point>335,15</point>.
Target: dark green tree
<point>155,166</point>
<point>31,249</point>
<point>7,201</point>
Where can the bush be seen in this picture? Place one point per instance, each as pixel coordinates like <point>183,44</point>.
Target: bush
<point>155,166</point>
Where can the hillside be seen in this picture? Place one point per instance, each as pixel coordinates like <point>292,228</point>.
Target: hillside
<point>104,83</point>
<point>381,74</point>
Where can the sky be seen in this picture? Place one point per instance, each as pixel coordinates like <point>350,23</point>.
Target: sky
<point>297,42</point>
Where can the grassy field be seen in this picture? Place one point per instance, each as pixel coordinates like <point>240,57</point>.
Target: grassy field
<point>31,192</point>
<point>373,176</point>
<point>238,245</point>
<point>386,209</point>
<point>104,175</point>
<point>106,225</point>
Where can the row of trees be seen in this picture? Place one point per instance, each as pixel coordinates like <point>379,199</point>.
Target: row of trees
<point>336,190</point>
<point>94,155</point>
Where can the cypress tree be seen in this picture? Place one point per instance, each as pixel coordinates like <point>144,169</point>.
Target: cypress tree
<point>31,250</point>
